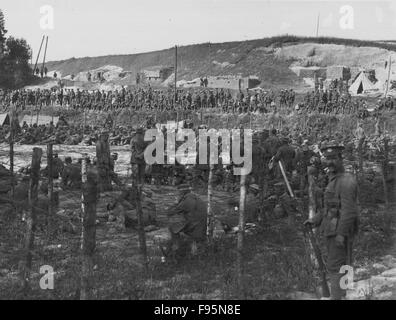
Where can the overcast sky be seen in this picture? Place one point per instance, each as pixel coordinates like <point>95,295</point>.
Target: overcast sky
<point>94,27</point>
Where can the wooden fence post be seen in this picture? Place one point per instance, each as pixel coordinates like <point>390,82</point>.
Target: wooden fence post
<point>209,222</point>
<point>88,231</point>
<point>103,162</point>
<point>12,152</point>
<point>31,218</point>
<point>241,236</point>
<point>50,185</point>
<point>360,155</point>
<point>312,208</point>
<point>137,189</point>
<point>385,163</point>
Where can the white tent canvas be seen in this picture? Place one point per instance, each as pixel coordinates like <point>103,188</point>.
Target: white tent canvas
<point>362,85</point>
<point>4,119</point>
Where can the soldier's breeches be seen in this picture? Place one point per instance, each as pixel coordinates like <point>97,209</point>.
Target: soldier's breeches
<point>336,293</point>
<point>337,256</point>
<point>138,172</point>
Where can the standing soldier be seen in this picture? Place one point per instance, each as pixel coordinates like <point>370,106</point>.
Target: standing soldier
<point>291,98</point>
<point>303,158</point>
<point>360,142</point>
<point>286,154</point>
<point>57,166</point>
<point>137,159</point>
<point>339,221</point>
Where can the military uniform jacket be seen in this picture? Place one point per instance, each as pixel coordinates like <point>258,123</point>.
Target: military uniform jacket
<point>192,208</point>
<point>340,215</point>
<point>287,154</point>
<point>138,146</point>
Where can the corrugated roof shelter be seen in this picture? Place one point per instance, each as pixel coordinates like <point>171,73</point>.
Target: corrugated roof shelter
<point>42,120</point>
<point>4,119</point>
<point>338,72</point>
<point>310,72</point>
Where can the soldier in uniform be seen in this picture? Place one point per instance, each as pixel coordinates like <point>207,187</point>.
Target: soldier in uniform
<point>137,159</point>
<point>286,154</point>
<point>113,175</point>
<point>124,209</point>
<point>57,166</point>
<point>21,195</point>
<point>360,135</point>
<point>194,213</point>
<point>273,142</point>
<point>339,219</point>
<point>71,174</point>
<point>302,159</point>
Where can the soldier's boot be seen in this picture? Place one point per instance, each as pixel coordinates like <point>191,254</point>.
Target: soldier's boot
<point>336,292</point>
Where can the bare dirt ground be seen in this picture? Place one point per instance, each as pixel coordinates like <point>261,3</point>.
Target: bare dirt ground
<point>22,155</point>
<point>277,261</point>
<point>276,258</point>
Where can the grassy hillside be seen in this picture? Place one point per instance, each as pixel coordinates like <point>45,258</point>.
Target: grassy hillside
<point>253,57</point>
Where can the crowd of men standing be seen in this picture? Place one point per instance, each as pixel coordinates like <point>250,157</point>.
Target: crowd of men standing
<point>330,101</point>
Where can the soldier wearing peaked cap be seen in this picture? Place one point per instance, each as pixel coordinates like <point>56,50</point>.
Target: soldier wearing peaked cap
<point>339,219</point>
<point>140,130</point>
<point>286,154</point>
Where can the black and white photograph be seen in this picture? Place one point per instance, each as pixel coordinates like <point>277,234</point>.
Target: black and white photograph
<point>197,154</point>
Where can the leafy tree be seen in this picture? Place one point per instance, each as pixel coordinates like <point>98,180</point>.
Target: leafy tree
<point>14,59</point>
<point>3,31</point>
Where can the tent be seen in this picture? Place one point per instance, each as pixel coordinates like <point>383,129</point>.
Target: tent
<point>42,120</point>
<point>4,119</point>
<point>362,85</point>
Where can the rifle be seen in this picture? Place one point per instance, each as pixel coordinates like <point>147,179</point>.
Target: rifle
<point>318,254</point>
<point>286,180</point>
<point>313,241</point>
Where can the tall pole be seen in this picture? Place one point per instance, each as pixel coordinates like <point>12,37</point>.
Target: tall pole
<point>37,116</point>
<point>45,52</point>
<point>89,198</point>
<point>32,217</point>
<point>317,25</point>
<point>38,55</point>
<point>209,220</point>
<point>50,168</point>
<point>175,75</point>
<point>210,55</point>
<point>389,71</point>
<point>84,124</point>
<point>12,150</point>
